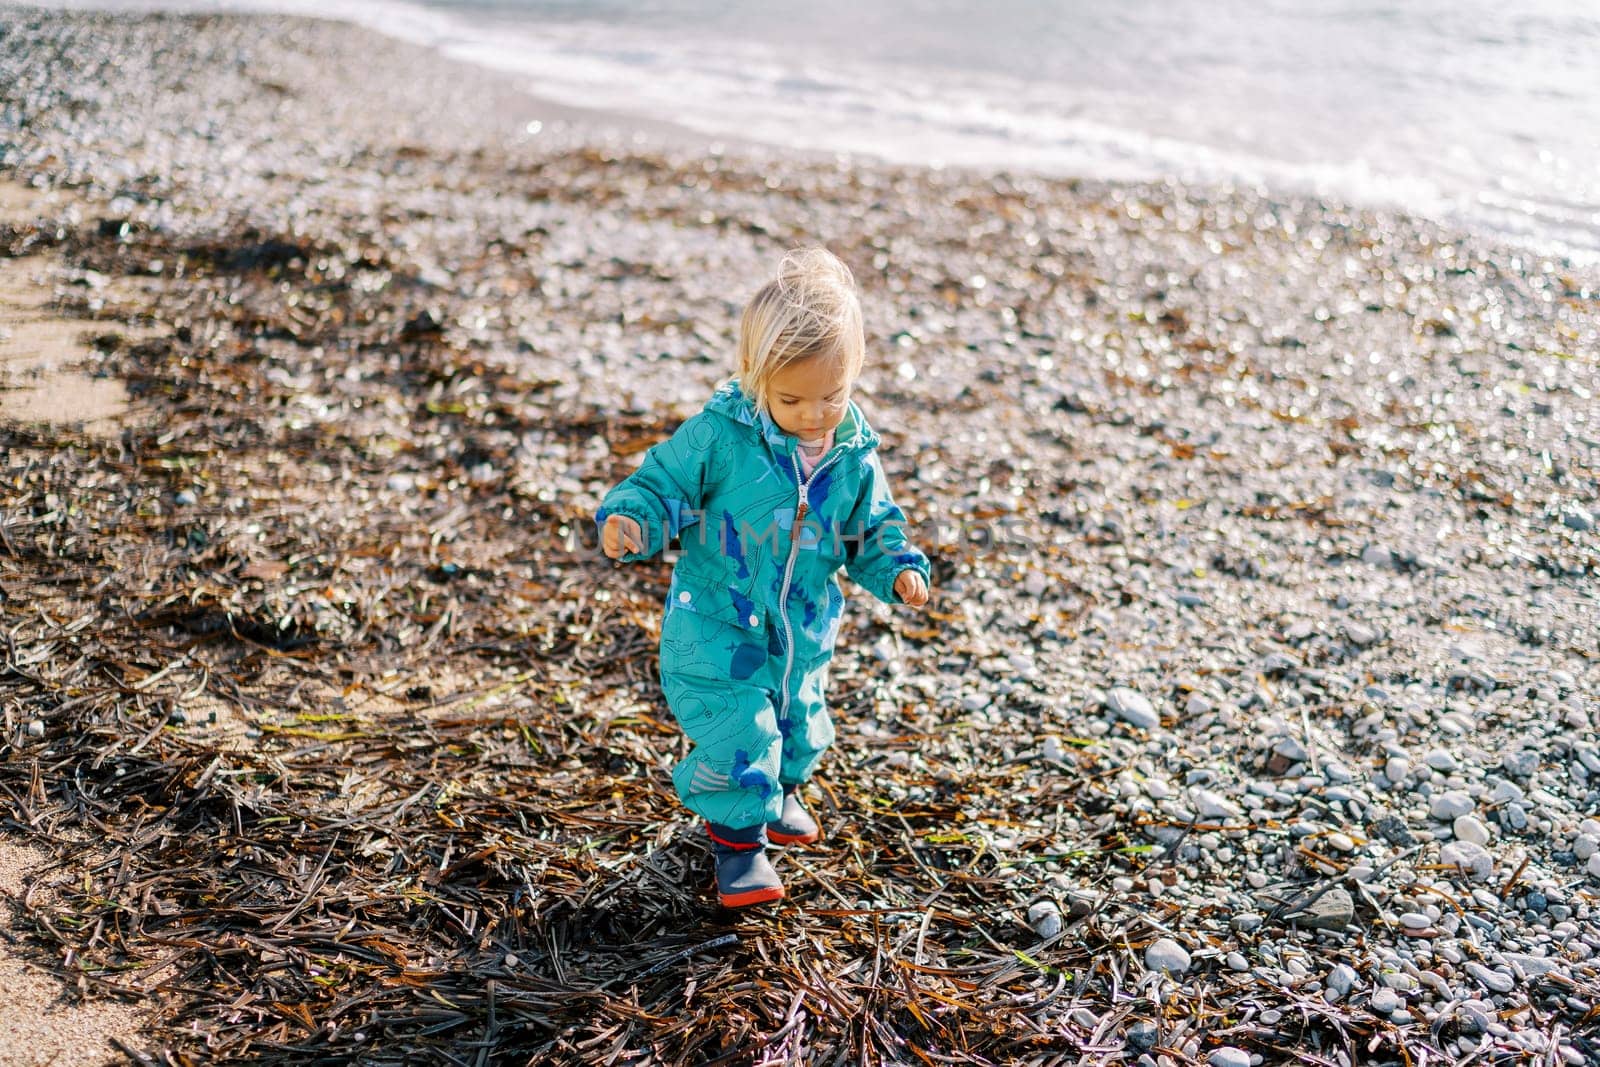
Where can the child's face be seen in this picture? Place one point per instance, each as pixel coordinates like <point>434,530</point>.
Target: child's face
<point>808,397</point>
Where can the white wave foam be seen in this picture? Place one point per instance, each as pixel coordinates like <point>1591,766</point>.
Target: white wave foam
<point>915,117</point>
<point>901,115</point>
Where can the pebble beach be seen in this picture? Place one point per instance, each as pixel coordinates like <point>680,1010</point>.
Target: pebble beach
<point>1253,719</point>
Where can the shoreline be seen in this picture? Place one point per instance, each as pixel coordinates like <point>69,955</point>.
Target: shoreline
<point>1335,182</point>
<point>348,718</point>
<point>516,105</point>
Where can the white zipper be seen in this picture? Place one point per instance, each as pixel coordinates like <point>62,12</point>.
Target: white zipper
<point>800,507</point>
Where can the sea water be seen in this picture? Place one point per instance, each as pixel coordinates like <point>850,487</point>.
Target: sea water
<point>1478,113</point>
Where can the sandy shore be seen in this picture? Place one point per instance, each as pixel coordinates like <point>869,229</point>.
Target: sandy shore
<point>43,1025</point>
<point>47,361</point>
<point>1254,714</point>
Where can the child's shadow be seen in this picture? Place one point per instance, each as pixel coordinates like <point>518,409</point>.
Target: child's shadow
<point>634,922</point>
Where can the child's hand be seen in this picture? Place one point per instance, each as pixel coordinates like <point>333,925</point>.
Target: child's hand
<point>621,536</point>
<point>912,588</point>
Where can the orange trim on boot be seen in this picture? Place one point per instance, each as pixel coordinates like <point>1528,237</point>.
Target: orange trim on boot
<point>740,846</point>
<point>754,896</point>
<point>792,839</point>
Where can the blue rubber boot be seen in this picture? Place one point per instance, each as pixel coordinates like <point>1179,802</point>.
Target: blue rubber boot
<point>744,876</point>
<point>794,826</point>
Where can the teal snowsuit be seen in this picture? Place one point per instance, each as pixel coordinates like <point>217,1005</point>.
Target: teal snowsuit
<point>753,611</point>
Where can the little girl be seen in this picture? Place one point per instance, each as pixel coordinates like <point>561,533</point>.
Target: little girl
<point>769,490</point>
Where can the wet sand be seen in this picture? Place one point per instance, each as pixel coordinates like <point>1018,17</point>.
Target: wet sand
<point>46,368</point>
<point>45,1024</point>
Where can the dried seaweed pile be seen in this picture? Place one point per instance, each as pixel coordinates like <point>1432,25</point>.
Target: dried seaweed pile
<point>379,866</point>
<point>386,866</point>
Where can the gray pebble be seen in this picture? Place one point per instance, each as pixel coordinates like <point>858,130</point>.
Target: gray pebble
<point>1441,760</point>
<point>1045,918</point>
<point>1228,1056</point>
<point>1341,979</point>
<point>1247,922</point>
<point>1469,828</point>
<point>1214,805</point>
<point>1474,1016</point>
<point>1167,955</point>
<point>1498,981</point>
<point>1133,707</point>
<point>1361,634</point>
<point>1504,791</point>
<point>1449,805</point>
<point>1290,749</point>
<point>1333,910</point>
<point>1474,859</point>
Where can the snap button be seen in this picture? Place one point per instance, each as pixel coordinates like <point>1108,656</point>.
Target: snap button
<point>754,620</point>
<point>684,597</point>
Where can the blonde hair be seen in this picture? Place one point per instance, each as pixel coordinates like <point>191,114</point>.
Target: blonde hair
<point>809,309</point>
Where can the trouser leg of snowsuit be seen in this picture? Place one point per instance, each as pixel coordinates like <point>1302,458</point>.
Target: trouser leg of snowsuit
<point>722,688</point>
<point>805,724</point>
<point>719,688</point>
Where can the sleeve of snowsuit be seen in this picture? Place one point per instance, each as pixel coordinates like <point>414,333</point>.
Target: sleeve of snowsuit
<point>663,496</point>
<point>878,548</point>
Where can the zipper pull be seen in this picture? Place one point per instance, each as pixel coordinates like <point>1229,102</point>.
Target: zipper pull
<point>800,507</point>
